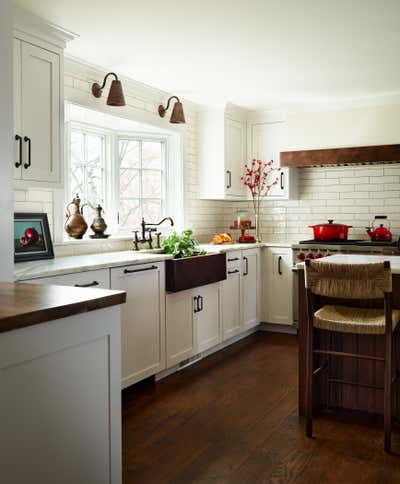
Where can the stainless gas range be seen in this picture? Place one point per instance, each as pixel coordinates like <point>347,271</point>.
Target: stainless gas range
<point>315,249</point>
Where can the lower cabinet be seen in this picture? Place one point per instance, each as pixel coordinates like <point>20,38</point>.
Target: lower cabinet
<point>251,287</point>
<point>143,320</point>
<point>193,322</point>
<point>278,286</point>
<point>231,296</point>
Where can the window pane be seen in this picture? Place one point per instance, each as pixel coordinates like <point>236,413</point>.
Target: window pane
<point>129,183</point>
<point>77,178</point>
<point>129,214</point>
<point>77,147</point>
<point>152,211</point>
<point>94,185</point>
<point>94,147</point>
<point>151,184</point>
<point>152,154</point>
<point>129,153</point>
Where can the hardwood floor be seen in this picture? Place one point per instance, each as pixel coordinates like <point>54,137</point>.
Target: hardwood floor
<point>232,418</point>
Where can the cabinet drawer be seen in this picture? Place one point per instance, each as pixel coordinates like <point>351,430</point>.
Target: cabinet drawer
<point>233,260</point>
<point>99,278</point>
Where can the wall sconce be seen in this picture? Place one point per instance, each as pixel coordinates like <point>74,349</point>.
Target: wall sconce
<point>115,95</point>
<point>177,116</point>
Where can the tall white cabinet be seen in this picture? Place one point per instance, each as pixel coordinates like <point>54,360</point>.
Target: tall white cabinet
<point>222,147</point>
<point>38,102</point>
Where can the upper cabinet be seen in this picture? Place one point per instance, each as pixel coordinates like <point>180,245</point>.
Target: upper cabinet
<point>222,133</point>
<point>38,102</point>
<point>265,142</point>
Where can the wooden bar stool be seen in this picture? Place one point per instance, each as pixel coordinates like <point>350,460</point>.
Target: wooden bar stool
<point>357,282</point>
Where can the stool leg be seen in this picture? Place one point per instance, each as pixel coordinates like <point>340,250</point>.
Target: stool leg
<point>309,381</point>
<point>387,410</point>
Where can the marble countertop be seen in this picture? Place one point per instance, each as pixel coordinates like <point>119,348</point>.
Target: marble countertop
<point>80,263</point>
<point>360,259</point>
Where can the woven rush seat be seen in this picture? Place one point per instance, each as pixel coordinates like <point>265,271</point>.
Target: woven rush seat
<point>345,319</point>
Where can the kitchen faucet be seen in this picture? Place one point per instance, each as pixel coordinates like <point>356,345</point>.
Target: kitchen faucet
<point>149,240</point>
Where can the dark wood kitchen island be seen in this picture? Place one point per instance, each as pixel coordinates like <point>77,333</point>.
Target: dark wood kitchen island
<point>329,389</point>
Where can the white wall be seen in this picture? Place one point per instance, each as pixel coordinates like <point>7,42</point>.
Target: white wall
<point>6,132</point>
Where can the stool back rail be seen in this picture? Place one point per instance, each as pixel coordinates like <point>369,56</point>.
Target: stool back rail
<point>351,281</point>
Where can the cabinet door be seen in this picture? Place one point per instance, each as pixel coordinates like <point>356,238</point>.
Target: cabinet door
<point>99,278</point>
<point>17,106</point>
<point>143,320</point>
<point>208,320</point>
<point>250,288</point>
<point>231,317</point>
<point>40,113</point>
<point>279,286</point>
<point>180,333</point>
<point>266,142</point>
<point>234,156</point>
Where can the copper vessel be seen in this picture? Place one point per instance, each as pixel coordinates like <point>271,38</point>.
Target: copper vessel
<point>75,225</point>
<point>98,225</point>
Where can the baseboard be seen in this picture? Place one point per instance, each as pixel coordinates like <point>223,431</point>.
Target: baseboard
<point>278,328</point>
<point>195,359</point>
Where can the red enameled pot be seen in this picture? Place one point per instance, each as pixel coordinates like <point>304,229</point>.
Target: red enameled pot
<point>330,232</point>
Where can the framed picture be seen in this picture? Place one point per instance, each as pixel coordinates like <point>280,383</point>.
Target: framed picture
<point>32,240</point>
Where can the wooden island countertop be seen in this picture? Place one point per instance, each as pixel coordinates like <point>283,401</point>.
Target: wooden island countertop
<point>24,305</point>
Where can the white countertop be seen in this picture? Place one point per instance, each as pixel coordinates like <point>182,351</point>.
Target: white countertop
<point>360,259</point>
<point>80,263</point>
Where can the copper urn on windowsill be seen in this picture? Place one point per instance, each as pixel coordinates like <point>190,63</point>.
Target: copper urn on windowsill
<point>75,225</point>
<point>99,225</point>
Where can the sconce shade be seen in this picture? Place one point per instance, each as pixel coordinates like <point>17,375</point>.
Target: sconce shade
<point>177,115</point>
<point>116,94</point>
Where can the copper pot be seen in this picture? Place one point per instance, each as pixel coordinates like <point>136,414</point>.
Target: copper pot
<point>75,225</point>
<point>330,232</point>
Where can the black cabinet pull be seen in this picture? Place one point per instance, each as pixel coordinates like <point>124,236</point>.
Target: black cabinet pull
<point>90,284</point>
<point>279,265</point>
<point>233,260</point>
<point>131,271</point>
<point>229,184</point>
<point>202,303</point>
<point>28,140</point>
<point>246,271</point>
<point>196,304</point>
<point>233,272</point>
<point>19,139</point>
<point>282,187</point>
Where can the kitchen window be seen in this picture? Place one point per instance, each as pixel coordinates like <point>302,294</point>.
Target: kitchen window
<point>129,172</point>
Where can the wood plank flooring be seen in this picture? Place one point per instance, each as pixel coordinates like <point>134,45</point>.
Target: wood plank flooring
<point>232,418</point>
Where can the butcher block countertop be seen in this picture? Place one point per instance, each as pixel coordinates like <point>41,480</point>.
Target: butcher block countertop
<point>24,305</point>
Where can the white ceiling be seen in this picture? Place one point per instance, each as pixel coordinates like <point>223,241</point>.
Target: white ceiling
<point>255,53</point>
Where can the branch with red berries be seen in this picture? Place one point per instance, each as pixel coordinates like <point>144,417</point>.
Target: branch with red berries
<point>259,178</point>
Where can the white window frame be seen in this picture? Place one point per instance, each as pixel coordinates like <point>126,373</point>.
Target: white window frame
<point>172,174</point>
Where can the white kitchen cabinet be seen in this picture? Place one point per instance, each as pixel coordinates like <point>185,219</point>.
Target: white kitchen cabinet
<point>278,286</point>
<point>222,146</point>
<point>208,316</point>
<point>231,303</point>
<point>38,102</point>
<point>180,331</point>
<point>143,320</point>
<point>250,287</point>
<point>98,278</point>
<point>265,142</point>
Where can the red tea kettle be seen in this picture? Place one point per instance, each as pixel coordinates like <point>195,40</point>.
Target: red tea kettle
<point>381,233</point>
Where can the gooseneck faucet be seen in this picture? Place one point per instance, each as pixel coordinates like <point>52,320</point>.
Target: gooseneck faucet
<point>149,240</point>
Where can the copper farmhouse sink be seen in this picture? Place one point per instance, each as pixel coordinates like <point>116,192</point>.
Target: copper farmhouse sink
<point>194,271</point>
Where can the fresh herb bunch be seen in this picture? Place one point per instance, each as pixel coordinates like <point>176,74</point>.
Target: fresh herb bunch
<point>182,245</point>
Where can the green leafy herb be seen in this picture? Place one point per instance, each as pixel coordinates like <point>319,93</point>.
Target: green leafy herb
<point>183,245</point>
